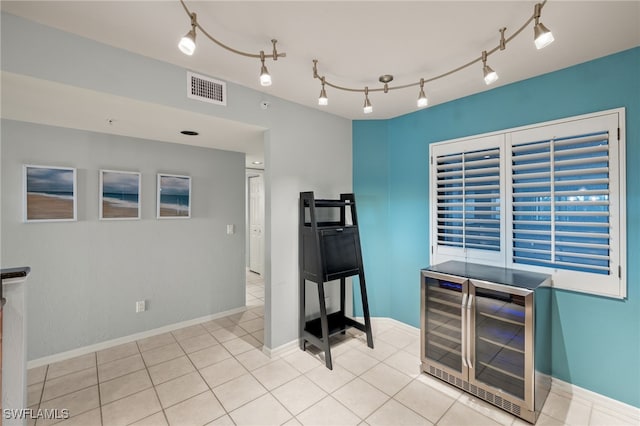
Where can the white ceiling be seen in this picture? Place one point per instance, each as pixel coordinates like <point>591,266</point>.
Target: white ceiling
<point>354,41</point>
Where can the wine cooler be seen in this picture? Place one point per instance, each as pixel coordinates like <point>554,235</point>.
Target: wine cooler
<point>486,330</point>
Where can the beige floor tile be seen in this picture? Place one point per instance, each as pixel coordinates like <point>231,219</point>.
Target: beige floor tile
<point>329,380</point>
<point>69,383</point>
<point>604,418</point>
<point>253,359</point>
<point>441,386</point>
<point>208,356</point>
<point>253,325</point>
<point>303,361</point>
<point>361,397</point>
<point>275,373</point>
<point>90,418</point>
<point>292,422</point>
<point>222,372</point>
<point>241,317</point>
<point>461,414</point>
<point>168,370</point>
<point>198,410</point>
<point>72,365</point>
<point>239,391</point>
<point>543,420</point>
<point>118,352</point>
<point>568,411</point>
<point>259,336</point>
<point>222,421</point>
<point>36,375</point>
<point>258,310</point>
<point>381,349</point>
<point>265,410</point>
<point>424,400</point>
<point>162,354</point>
<point>156,341</point>
<point>496,414</point>
<point>156,419</point>
<point>131,409</point>
<point>196,343</point>
<point>189,332</point>
<point>355,361</point>
<point>404,363</point>
<point>298,394</point>
<point>396,414</point>
<point>241,344</point>
<point>76,403</point>
<point>120,367</point>
<point>124,386</point>
<point>386,378</point>
<point>177,390</point>
<point>328,412</point>
<point>397,338</point>
<point>228,333</point>
<point>34,393</point>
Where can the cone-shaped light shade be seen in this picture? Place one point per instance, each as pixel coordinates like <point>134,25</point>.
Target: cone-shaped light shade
<point>323,100</point>
<point>422,99</point>
<point>265,77</point>
<point>187,43</point>
<point>542,36</point>
<point>490,76</point>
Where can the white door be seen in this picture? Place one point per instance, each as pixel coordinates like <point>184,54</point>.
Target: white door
<point>256,224</point>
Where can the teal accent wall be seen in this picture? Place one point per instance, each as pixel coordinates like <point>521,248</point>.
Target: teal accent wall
<point>596,340</point>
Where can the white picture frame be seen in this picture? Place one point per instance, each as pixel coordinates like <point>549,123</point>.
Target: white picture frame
<point>120,195</point>
<point>49,193</point>
<point>173,199</point>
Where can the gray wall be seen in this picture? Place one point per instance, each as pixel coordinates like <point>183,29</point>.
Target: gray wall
<point>305,149</point>
<point>87,275</point>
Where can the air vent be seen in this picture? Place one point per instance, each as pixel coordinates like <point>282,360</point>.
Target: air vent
<point>206,89</point>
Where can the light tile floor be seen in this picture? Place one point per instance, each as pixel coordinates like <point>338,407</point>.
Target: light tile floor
<point>216,374</point>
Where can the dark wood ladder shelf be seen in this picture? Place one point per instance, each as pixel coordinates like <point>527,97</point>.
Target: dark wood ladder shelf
<point>329,249</point>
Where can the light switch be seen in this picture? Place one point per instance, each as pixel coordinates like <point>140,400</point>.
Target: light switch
<point>231,229</point>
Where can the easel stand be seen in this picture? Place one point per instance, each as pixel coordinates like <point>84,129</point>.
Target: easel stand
<point>329,249</point>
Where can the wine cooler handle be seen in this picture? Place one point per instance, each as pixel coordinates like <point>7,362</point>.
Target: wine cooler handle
<point>463,311</point>
<point>468,326</point>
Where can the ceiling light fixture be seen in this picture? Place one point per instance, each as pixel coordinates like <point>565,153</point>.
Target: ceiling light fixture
<point>187,46</point>
<point>490,76</point>
<point>543,37</point>
<point>422,97</point>
<point>323,100</point>
<point>541,34</point>
<point>368,109</point>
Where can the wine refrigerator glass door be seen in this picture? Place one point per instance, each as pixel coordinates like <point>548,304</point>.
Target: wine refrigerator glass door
<point>443,300</point>
<point>501,350</point>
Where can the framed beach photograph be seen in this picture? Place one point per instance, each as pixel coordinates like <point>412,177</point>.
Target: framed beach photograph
<point>174,196</point>
<point>49,194</point>
<point>119,195</point>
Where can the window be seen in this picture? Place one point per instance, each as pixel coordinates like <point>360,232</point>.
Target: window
<point>546,198</point>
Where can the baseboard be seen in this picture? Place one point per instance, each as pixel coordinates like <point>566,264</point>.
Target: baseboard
<point>561,387</point>
<point>280,350</point>
<point>126,339</point>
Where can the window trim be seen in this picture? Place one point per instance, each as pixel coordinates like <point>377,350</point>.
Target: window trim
<point>562,278</point>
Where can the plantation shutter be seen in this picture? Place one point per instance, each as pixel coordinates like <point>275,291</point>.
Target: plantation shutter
<point>468,199</point>
<point>561,195</point>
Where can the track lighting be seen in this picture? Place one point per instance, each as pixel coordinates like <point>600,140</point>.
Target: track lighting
<point>490,76</point>
<point>265,77</point>
<point>188,46</point>
<point>422,97</point>
<point>541,34</point>
<point>368,109</point>
<point>323,100</point>
<point>542,38</point>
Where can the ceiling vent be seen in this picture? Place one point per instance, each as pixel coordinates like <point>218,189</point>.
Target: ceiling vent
<point>206,89</point>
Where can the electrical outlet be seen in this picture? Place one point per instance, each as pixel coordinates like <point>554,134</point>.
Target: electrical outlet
<point>141,306</point>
